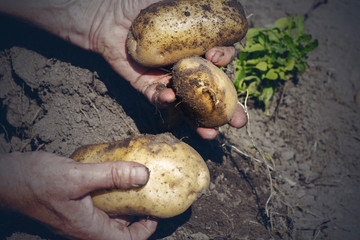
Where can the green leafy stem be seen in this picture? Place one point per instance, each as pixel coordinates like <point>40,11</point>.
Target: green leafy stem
<point>272,55</point>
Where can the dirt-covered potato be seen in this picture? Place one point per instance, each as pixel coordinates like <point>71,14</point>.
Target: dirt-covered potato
<point>170,30</point>
<point>204,91</point>
<point>178,175</point>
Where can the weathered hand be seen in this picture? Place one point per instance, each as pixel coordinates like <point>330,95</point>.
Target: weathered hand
<point>103,26</point>
<point>110,41</point>
<point>55,191</point>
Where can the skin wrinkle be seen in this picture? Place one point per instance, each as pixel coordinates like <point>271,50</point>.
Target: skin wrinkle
<point>72,33</point>
<point>133,234</point>
<point>61,3</point>
<point>115,176</point>
<point>150,85</point>
<point>83,226</point>
<point>80,178</point>
<point>126,233</point>
<point>128,6</point>
<point>120,16</point>
<point>93,34</point>
<point>96,25</point>
<point>139,84</point>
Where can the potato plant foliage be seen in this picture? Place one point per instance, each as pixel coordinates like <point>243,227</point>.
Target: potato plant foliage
<point>271,56</point>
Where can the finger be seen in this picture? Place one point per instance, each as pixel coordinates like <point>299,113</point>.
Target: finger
<point>166,97</point>
<point>239,118</point>
<point>143,229</point>
<point>153,84</point>
<point>204,132</point>
<point>149,82</point>
<point>120,174</point>
<point>220,56</point>
<point>145,80</point>
<point>161,96</point>
<point>207,133</point>
<point>101,227</point>
<point>124,220</point>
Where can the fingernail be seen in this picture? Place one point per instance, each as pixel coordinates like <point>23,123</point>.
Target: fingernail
<point>216,57</point>
<point>139,176</point>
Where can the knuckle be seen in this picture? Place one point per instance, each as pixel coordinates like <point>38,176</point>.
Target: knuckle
<point>120,177</point>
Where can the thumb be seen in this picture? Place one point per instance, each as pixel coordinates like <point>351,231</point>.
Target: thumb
<point>119,174</point>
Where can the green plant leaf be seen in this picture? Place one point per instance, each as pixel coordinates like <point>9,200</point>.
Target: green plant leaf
<point>281,23</point>
<point>267,93</point>
<point>253,78</point>
<point>239,75</point>
<point>289,42</point>
<point>300,29</point>
<point>290,64</point>
<point>253,61</point>
<point>262,66</point>
<point>311,46</point>
<point>265,96</point>
<point>290,25</point>
<point>249,42</point>
<point>252,89</point>
<point>273,54</point>
<point>242,57</point>
<point>281,61</point>
<point>273,35</point>
<point>255,47</point>
<point>253,32</point>
<point>279,49</point>
<point>304,38</point>
<point>282,75</point>
<point>301,67</point>
<point>271,74</point>
<point>240,86</point>
<point>262,39</point>
<point>291,46</point>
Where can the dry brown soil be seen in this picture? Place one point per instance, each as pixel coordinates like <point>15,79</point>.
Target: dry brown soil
<point>294,175</point>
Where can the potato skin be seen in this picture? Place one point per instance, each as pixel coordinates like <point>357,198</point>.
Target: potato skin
<point>177,175</point>
<point>170,30</point>
<point>205,93</point>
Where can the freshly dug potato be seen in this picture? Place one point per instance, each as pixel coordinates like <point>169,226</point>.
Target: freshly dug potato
<point>178,174</point>
<point>204,91</point>
<point>170,30</point>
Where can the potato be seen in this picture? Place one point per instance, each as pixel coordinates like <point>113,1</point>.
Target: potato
<point>168,31</point>
<point>178,175</point>
<point>204,91</point>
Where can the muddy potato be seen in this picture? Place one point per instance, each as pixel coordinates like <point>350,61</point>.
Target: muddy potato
<point>178,174</point>
<point>168,31</point>
<point>205,93</point>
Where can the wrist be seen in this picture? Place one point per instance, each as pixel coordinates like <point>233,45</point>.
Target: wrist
<point>11,181</point>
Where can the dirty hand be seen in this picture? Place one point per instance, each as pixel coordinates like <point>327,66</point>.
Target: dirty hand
<point>111,43</point>
<point>103,26</point>
<point>55,191</point>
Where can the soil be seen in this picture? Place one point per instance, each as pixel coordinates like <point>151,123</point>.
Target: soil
<point>293,175</point>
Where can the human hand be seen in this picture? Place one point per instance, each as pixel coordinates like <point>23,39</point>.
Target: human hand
<point>103,26</point>
<point>55,191</point>
<point>110,41</point>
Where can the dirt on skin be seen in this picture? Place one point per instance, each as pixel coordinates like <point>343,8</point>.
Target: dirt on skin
<point>294,175</point>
